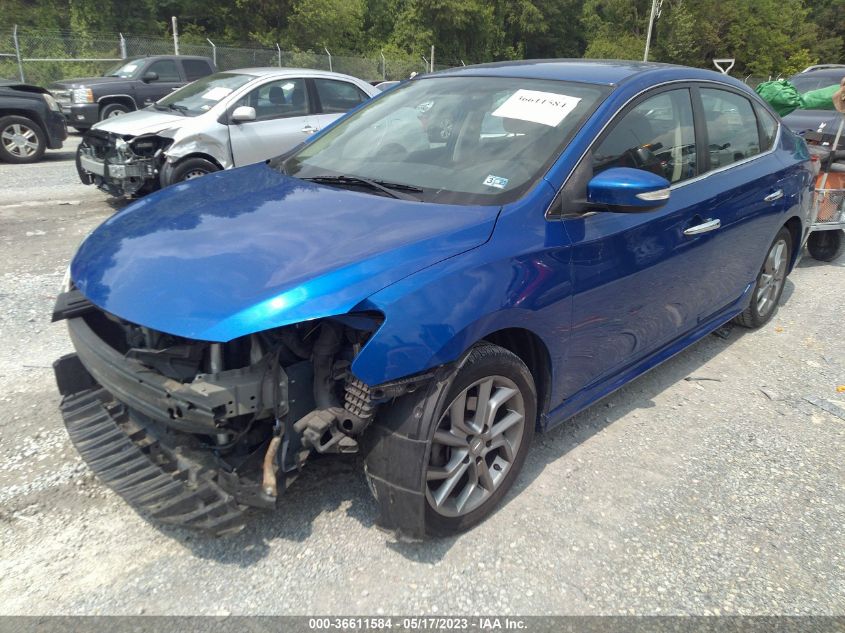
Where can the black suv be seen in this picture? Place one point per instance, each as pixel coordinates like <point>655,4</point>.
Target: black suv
<point>819,122</point>
<point>131,85</point>
<point>30,122</point>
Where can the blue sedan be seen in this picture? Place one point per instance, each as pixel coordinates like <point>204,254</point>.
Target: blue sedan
<point>468,258</point>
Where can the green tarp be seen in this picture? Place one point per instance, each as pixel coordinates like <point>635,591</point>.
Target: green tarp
<point>784,98</point>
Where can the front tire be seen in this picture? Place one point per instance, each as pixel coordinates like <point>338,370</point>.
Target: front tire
<point>770,282</point>
<point>188,169</point>
<point>21,140</point>
<point>476,440</point>
<point>113,110</point>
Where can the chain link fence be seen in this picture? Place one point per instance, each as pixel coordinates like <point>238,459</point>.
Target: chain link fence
<point>41,57</point>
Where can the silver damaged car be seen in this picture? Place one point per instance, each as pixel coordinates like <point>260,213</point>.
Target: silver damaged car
<point>224,120</point>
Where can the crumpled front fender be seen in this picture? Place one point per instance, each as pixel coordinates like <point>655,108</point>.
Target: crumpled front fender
<point>214,144</point>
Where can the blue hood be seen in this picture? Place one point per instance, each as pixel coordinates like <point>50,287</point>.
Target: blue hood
<point>249,249</point>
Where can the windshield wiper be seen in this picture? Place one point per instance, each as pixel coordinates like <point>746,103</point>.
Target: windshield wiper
<point>392,189</point>
<point>178,108</point>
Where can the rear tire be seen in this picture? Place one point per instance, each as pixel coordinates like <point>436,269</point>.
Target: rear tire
<point>21,140</point>
<point>770,282</point>
<point>826,246</point>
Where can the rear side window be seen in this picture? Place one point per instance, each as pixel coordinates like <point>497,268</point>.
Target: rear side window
<point>657,135</point>
<point>165,69</point>
<point>731,127</point>
<point>338,96</point>
<point>195,68</point>
<point>768,127</point>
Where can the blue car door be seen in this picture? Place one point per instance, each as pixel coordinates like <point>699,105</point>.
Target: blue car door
<point>644,279</point>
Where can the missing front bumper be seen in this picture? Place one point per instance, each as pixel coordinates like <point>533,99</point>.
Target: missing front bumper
<point>201,406</point>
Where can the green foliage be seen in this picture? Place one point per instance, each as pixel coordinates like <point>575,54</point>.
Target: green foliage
<point>767,37</point>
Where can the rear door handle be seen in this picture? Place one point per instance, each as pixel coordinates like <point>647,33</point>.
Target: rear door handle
<point>777,195</point>
<point>698,229</point>
<point>309,129</point>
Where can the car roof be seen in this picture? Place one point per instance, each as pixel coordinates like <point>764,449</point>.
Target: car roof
<point>608,72</point>
<point>266,71</point>
<point>154,57</point>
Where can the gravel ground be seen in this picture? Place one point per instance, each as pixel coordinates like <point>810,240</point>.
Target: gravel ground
<point>711,485</point>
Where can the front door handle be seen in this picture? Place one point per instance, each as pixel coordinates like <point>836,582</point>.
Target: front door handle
<point>777,195</point>
<point>698,229</point>
<point>309,129</point>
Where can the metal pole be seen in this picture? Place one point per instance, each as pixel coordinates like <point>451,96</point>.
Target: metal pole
<point>213,51</point>
<point>383,67</point>
<point>330,58</point>
<point>462,63</point>
<point>279,51</point>
<point>425,63</point>
<point>175,35</point>
<point>18,53</point>
<point>432,58</point>
<point>650,25</point>
<point>122,46</point>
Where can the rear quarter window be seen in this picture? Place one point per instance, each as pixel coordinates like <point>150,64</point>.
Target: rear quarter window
<point>768,128</point>
<point>195,68</point>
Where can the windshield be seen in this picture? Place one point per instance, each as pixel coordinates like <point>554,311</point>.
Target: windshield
<point>812,81</point>
<point>126,70</point>
<point>203,94</point>
<point>464,140</point>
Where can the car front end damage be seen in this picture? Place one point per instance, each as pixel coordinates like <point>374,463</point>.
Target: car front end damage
<point>120,165</point>
<point>192,432</point>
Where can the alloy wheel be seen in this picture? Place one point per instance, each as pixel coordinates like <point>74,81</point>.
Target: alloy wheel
<point>474,446</point>
<point>772,278</point>
<point>20,140</point>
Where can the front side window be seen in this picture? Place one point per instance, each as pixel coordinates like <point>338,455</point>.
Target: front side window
<point>202,95</point>
<point>165,69</point>
<point>731,127</point>
<point>657,135</point>
<point>338,96</point>
<point>464,140</point>
<point>278,99</point>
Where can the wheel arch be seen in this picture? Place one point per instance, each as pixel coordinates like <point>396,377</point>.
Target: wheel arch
<point>202,155</point>
<point>27,114</point>
<point>796,230</point>
<point>126,100</point>
<point>531,349</point>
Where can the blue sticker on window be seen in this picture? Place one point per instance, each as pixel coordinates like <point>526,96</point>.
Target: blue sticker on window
<point>496,181</point>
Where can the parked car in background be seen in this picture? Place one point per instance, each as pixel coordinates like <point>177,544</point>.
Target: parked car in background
<point>30,122</point>
<point>131,85</point>
<point>384,85</point>
<point>823,122</point>
<point>525,239</point>
<point>224,120</point>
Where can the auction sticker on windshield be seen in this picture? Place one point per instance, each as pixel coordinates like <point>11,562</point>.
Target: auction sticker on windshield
<point>547,108</point>
<point>217,93</point>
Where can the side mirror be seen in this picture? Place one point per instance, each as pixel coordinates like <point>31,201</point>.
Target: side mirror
<point>627,190</point>
<point>149,76</point>
<point>242,114</point>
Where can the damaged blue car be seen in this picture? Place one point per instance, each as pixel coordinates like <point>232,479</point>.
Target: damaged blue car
<point>472,256</point>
